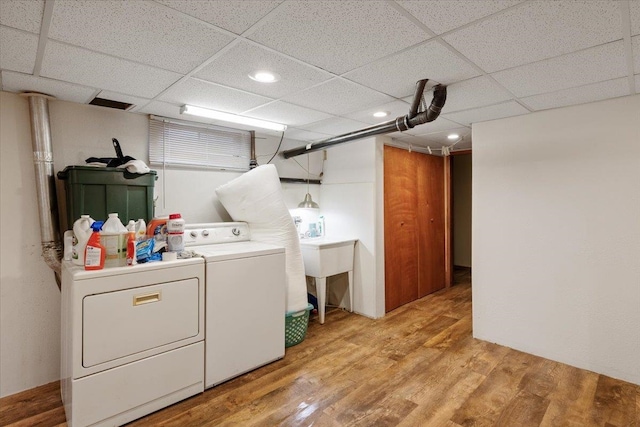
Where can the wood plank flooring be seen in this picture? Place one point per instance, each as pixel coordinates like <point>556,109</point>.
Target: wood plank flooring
<point>418,366</point>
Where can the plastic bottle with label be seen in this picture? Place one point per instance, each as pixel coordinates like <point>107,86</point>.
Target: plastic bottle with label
<point>94,252</point>
<point>81,234</point>
<point>131,248</point>
<point>114,240</point>
<point>175,230</point>
<point>140,229</point>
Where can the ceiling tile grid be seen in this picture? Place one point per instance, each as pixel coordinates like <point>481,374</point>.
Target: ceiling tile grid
<point>139,31</point>
<point>635,43</point>
<point>472,93</point>
<point>210,95</point>
<point>288,114</point>
<point>18,50</point>
<point>338,96</point>
<point>592,65</point>
<point>442,16</point>
<point>634,11</point>
<point>398,74</point>
<point>334,126</point>
<point>234,66</point>
<point>18,82</point>
<point>22,14</point>
<point>80,66</point>
<point>393,109</point>
<point>338,36</point>
<point>506,109</point>
<point>537,30</point>
<point>338,61</point>
<point>234,16</point>
<point>579,95</point>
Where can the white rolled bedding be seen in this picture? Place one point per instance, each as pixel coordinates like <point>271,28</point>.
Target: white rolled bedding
<point>256,198</point>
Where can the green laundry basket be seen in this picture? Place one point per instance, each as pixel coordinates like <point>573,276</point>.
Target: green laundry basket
<point>295,326</point>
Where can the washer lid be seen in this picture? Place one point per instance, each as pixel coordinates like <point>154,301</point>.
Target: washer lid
<point>228,251</point>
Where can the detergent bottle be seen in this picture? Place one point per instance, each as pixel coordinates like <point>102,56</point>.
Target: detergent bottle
<point>131,248</point>
<point>140,229</point>
<point>81,234</point>
<point>94,252</point>
<point>114,239</point>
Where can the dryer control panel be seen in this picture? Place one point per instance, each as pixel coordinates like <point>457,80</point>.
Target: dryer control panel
<point>216,232</point>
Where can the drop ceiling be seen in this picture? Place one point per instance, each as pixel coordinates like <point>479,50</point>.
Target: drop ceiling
<point>338,61</point>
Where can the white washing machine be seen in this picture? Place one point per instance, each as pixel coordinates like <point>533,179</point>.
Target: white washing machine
<point>132,339</point>
<point>244,299</point>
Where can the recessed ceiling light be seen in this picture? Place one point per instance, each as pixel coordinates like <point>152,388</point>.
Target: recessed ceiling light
<point>453,136</point>
<point>264,76</point>
<point>381,114</point>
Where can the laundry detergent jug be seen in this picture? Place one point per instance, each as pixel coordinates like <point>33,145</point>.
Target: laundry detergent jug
<point>81,234</point>
<point>114,239</point>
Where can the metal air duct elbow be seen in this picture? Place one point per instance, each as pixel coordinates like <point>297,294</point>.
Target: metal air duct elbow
<point>45,181</point>
<point>402,123</point>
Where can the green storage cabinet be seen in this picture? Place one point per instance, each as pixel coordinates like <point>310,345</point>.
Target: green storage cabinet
<point>100,191</point>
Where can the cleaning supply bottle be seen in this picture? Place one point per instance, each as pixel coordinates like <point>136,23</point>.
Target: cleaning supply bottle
<point>131,226</point>
<point>175,233</point>
<point>94,252</point>
<point>131,248</point>
<point>114,239</point>
<point>140,229</point>
<point>81,234</point>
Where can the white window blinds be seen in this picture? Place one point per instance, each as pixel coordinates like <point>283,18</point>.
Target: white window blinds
<point>176,143</point>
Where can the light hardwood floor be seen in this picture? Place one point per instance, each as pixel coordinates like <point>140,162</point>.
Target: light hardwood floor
<point>418,366</point>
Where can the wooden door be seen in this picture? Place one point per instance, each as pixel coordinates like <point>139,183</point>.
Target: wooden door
<point>414,226</point>
<point>400,262</point>
<point>431,226</point>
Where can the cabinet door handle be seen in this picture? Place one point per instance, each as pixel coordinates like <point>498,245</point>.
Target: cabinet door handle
<point>147,298</point>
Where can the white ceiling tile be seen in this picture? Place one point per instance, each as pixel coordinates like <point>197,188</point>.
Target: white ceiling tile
<point>635,43</point>
<point>634,9</point>
<point>473,93</point>
<point>17,50</point>
<point>232,15</point>
<point>599,63</point>
<point>127,99</point>
<point>305,135</point>
<point>357,32</point>
<point>393,108</point>
<point>397,75</point>
<point>17,82</point>
<point>234,66</point>
<point>442,16</point>
<point>289,114</point>
<point>438,125</point>
<point>338,97</point>
<point>579,95</point>
<point>537,30</point>
<point>482,114</point>
<point>80,66</point>
<point>22,14</point>
<point>139,31</point>
<point>334,126</point>
<point>210,95</point>
<point>163,109</point>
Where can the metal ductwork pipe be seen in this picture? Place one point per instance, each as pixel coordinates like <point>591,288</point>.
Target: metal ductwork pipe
<point>253,162</point>
<point>45,181</point>
<point>411,120</point>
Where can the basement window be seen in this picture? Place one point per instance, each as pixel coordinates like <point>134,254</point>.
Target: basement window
<point>192,145</point>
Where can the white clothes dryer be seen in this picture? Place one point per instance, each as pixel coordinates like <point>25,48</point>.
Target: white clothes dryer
<point>244,299</point>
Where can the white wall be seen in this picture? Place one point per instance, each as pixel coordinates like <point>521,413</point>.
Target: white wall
<point>556,235</point>
<point>30,299</point>
<point>350,200</point>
